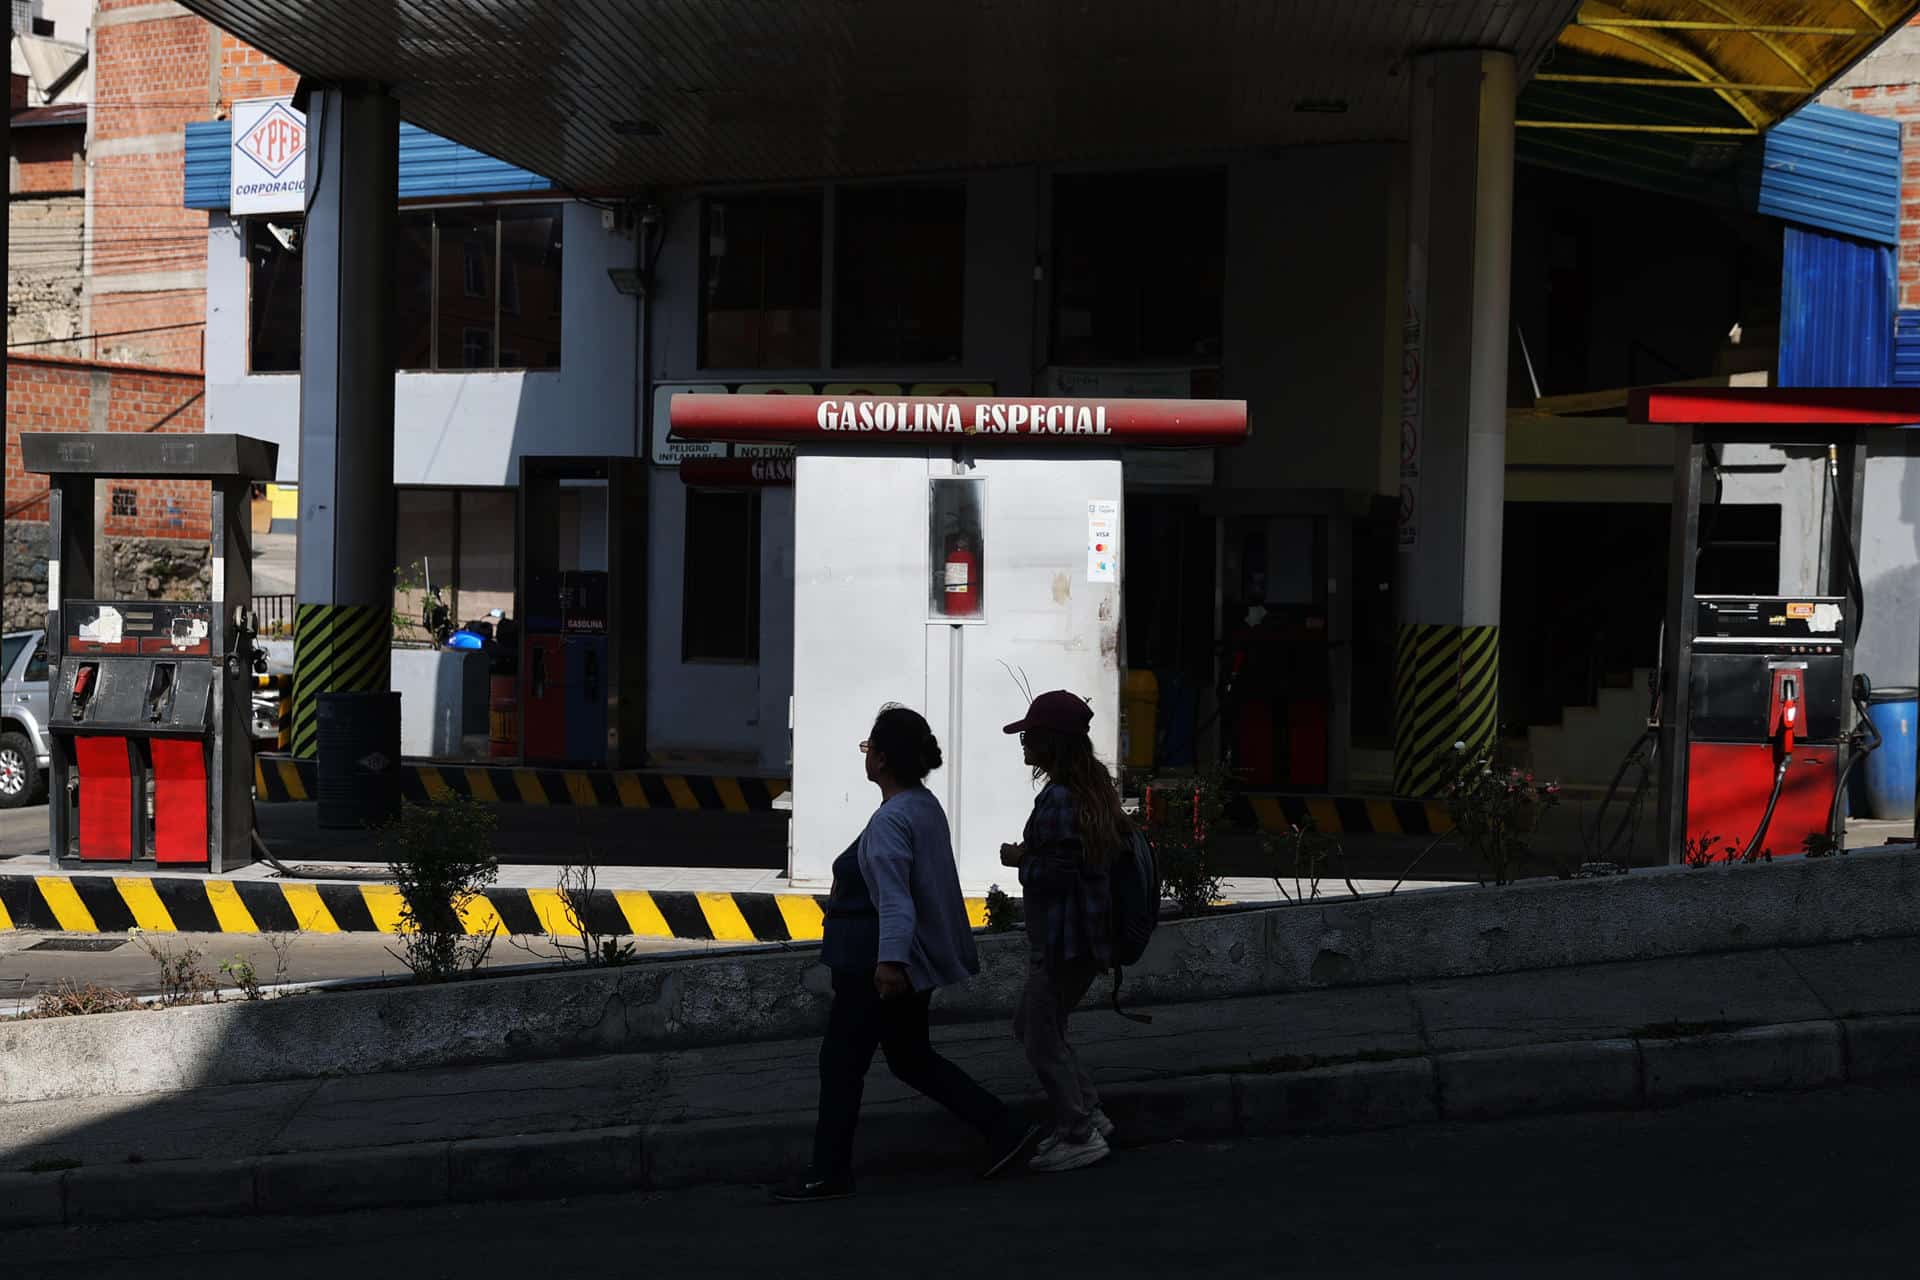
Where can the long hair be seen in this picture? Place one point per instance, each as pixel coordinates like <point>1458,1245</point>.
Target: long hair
<point>1068,759</point>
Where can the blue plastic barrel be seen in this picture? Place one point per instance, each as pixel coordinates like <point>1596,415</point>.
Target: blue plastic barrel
<point>1890,769</point>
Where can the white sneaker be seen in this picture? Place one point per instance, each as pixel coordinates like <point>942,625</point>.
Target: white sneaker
<point>1102,1125</point>
<point>1067,1154</point>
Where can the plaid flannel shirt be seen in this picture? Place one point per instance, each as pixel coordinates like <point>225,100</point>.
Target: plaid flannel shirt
<point>1069,904</point>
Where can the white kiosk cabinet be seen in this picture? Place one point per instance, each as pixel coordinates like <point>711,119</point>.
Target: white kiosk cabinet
<point>947,561</point>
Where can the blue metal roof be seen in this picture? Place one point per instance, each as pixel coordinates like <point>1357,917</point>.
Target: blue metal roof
<point>1836,311</point>
<point>1836,170</point>
<point>429,166</point>
<point>1906,349</point>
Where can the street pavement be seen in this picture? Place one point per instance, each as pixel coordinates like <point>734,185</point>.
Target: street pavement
<point>1773,1185</point>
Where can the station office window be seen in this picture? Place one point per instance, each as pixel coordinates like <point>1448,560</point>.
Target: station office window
<point>474,288</point>
<point>720,601</point>
<point>760,281</point>
<point>898,271</point>
<point>460,541</point>
<point>1139,267</point>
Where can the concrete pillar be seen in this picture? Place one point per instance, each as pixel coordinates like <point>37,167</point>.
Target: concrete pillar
<point>343,629</point>
<point>1453,412</point>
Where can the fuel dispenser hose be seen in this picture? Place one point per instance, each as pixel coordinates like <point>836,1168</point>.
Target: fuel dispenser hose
<point>1860,749</point>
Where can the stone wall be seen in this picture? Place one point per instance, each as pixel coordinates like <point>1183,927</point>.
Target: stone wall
<point>46,270</point>
<point>25,602</point>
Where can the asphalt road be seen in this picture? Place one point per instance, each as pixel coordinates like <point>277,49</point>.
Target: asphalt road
<point>1815,1185</point>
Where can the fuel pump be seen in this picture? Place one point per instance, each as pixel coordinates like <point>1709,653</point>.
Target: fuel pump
<point>151,713</point>
<point>1751,715</point>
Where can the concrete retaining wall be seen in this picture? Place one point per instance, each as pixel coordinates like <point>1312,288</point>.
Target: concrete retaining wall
<point>781,995</point>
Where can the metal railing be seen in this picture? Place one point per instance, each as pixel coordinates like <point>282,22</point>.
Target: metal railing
<point>275,614</point>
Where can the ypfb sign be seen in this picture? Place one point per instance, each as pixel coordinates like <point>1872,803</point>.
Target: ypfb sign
<point>269,160</point>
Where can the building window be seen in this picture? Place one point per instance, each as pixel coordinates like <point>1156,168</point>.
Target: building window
<point>760,281</point>
<point>446,264</point>
<point>1139,267</point>
<point>720,603</point>
<point>898,274</point>
<point>273,256</point>
<point>456,544</point>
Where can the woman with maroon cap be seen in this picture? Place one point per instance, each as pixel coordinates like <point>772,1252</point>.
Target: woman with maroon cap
<point>1076,828</point>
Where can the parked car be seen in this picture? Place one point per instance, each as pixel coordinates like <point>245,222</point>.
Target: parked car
<point>25,750</point>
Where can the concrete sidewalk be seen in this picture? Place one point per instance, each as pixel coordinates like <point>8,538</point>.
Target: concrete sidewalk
<point>1602,1036</point>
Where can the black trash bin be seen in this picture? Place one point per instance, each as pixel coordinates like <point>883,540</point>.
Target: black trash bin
<point>359,759</point>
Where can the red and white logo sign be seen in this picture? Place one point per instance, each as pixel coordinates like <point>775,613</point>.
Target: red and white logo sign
<point>276,140</point>
<point>269,169</point>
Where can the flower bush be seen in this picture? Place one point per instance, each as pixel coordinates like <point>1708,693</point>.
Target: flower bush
<point>1495,810</point>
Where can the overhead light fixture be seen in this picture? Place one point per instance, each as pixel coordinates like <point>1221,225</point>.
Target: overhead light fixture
<point>1322,106</point>
<point>635,128</point>
<point>627,280</point>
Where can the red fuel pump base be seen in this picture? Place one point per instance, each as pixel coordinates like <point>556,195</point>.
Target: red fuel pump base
<point>1729,783</point>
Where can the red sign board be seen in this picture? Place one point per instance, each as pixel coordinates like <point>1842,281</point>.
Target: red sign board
<point>926,419</point>
<point>731,473</point>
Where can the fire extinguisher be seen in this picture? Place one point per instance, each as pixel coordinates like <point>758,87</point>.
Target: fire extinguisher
<point>961,578</point>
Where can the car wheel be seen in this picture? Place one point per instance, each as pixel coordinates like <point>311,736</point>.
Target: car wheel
<point>19,772</point>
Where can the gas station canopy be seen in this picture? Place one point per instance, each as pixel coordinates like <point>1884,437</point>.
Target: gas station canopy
<point>620,95</point>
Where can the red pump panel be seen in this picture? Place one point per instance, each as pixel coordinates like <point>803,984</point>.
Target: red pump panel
<point>179,800</point>
<point>106,799</point>
<point>1728,784</point>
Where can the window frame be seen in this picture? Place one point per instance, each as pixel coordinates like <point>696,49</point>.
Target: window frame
<point>756,506</point>
<point>435,356</point>
<point>458,492</point>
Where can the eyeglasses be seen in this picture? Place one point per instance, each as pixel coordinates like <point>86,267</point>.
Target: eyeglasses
<point>865,747</point>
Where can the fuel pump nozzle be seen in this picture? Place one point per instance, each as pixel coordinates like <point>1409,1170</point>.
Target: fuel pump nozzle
<point>1784,721</point>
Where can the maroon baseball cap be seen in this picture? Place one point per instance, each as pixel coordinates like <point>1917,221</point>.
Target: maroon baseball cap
<point>1056,712</point>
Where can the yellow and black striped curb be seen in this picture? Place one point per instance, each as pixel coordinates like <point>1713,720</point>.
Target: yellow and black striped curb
<point>1340,815</point>
<point>278,779</point>
<point>1446,691</point>
<point>337,648</point>
<point>176,904</point>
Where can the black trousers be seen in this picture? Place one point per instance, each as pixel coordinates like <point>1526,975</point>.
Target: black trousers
<point>861,1022</point>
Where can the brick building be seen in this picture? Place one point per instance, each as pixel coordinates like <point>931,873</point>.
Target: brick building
<point>1886,83</point>
<point>104,252</point>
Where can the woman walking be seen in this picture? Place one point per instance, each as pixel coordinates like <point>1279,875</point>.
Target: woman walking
<point>896,930</point>
<point>1076,828</point>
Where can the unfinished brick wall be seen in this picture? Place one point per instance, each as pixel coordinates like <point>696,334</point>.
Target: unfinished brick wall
<point>152,75</point>
<point>153,532</point>
<point>47,160</point>
<point>246,73</point>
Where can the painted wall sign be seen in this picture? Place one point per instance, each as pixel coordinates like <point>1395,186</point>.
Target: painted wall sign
<point>268,173</point>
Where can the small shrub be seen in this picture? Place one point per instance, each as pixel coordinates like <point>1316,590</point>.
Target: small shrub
<point>577,886</point>
<point>1824,844</point>
<point>181,978</point>
<point>68,1000</point>
<point>1182,817</point>
<point>1304,854</point>
<point>442,858</point>
<point>1494,811</point>
<point>1702,849</point>
<point>1003,910</point>
<point>241,971</point>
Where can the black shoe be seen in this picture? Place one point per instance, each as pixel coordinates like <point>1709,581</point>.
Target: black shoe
<point>1009,1145</point>
<point>809,1189</point>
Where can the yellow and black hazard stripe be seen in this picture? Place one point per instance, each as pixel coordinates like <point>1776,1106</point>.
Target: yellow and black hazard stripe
<point>337,648</point>
<point>1446,692</point>
<point>278,779</point>
<point>1340,815</point>
<point>161,904</point>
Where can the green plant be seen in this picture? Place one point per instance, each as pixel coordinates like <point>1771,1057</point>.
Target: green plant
<point>1700,850</point>
<point>241,971</point>
<point>1824,844</point>
<point>1495,810</point>
<point>181,979</point>
<point>1304,854</point>
<point>1182,817</point>
<point>1003,912</point>
<point>442,859</point>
